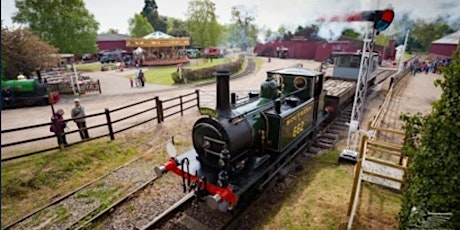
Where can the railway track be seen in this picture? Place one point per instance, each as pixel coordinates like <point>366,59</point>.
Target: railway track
<point>186,214</point>
<point>74,206</point>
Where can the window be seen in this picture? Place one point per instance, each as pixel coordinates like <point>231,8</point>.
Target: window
<point>300,83</point>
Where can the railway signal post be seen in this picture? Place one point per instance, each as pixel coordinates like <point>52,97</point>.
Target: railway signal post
<point>377,21</point>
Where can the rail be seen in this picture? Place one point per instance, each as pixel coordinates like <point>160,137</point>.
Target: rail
<point>161,108</point>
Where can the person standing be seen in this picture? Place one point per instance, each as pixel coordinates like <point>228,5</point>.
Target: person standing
<point>58,125</point>
<point>78,114</point>
<point>141,78</point>
<point>136,74</point>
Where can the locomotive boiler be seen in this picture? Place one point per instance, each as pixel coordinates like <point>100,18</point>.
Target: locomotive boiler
<point>19,93</point>
<point>239,146</point>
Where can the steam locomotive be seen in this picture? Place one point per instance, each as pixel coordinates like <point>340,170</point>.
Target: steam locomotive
<point>241,146</point>
<point>27,92</point>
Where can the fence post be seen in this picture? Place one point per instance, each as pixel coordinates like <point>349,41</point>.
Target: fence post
<point>181,106</point>
<point>109,124</point>
<point>159,109</point>
<point>197,98</point>
<point>99,86</point>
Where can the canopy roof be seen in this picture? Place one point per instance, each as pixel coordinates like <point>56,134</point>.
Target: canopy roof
<point>157,35</point>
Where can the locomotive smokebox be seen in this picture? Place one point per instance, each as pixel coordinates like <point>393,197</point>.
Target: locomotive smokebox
<point>223,93</point>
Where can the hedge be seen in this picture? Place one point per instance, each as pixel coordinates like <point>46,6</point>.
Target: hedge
<point>206,73</point>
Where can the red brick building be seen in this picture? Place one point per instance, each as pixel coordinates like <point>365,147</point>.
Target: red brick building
<point>321,50</point>
<point>112,42</point>
<point>444,47</point>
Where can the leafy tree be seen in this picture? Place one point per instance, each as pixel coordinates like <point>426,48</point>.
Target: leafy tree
<point>281,31</point>
<point>23,51</point>
<point>432,181</point>
<point>202,23</point>
<point>351,33</point>
<point>382,39</point>
<point>268,35</point>
<point>112,31</point>
<point>139,26</point>
<point>150,11</point>
<point>177,28</point>
<point>426,32</point>
<point>245,28</point>
<point>67,25</point>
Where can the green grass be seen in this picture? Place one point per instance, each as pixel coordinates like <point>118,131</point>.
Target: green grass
<point>259,61</point>
<point>319,200</point>
<point>88,67</point>
<point>31,182</point>
<point>407,56</point>
<point>162,75</point>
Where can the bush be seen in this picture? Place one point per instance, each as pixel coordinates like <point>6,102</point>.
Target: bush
<point>432,181</point>
<point>206,73</point>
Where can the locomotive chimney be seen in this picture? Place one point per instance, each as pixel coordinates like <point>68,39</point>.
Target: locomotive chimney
<point>223,93</point>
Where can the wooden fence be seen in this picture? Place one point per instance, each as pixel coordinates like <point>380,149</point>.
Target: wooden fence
<point>85,87</point>
<point>161,108</point>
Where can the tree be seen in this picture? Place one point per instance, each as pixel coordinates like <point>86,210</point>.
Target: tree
<point>351,33</point>
<point>177,28</point>
<point>23,51</point>
<point>139,26</point>
<point>281,31</point>
<point>150,11</point>
<point>426,32</point>
<point>112,31</point>
<point>202,23</point>
<point>67,25</point>
<point>382,39</point>
<point>245,28</point>
<point>432,180</point>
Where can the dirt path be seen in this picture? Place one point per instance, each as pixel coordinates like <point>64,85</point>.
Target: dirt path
<point>116,93</point>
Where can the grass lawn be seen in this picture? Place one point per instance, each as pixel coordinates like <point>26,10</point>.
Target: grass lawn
<point>162,75</point>
<point>33,181</point>
<point>320,195</point>
<point>92,67</point>
<point>259,61</point>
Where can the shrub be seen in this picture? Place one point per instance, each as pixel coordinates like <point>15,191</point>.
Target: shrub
<point>206,73</point>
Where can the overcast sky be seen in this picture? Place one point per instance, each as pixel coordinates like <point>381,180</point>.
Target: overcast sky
<point>268,13</point>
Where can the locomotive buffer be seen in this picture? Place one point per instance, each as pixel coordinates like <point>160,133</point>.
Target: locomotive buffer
<point>380,20</point>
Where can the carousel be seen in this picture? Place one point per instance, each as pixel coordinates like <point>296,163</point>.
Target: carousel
<point>159,49</point>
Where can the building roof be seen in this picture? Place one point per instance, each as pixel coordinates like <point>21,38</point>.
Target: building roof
<point>157,35</point>
<point>112,37</point>
<point>449,39</point>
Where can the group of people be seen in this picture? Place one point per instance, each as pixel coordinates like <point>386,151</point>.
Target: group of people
<point>139,78</point>
<point>428,66</point>
<point>59,124</point>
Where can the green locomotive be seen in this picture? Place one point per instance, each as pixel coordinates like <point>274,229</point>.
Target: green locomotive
<point>26,92</point>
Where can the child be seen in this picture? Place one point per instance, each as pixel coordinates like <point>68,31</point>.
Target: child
<point>131,82</point>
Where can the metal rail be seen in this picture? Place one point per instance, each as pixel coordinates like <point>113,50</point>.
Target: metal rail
<point>104,212</point>
<point>69,194</point>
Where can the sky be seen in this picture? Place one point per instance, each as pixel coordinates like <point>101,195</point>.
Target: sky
<point>268,13</point>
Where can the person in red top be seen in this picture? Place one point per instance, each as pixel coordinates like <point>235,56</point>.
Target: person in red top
<point>58,125</point>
